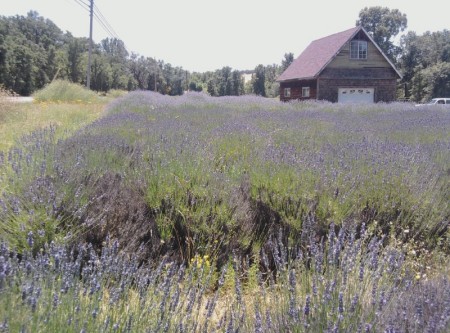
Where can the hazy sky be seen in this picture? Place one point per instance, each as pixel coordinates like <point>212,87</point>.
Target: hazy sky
<point>202,35</point>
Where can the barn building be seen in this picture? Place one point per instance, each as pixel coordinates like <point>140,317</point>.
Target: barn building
<point>344,67</point>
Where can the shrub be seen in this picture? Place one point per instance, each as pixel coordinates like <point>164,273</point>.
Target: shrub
<point>65,91</point>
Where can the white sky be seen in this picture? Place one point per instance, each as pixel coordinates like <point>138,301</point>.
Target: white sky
<point>201,35</point>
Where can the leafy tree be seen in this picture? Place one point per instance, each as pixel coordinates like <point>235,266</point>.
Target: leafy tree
<point>224,81</point>
<point>421,59</point>
<point>271,86</point>
<point>383,24</point>
<point>115,50</point>
<point>20,68</point>
<point>3,51</point>
<point>211,88</point>
<point>75,51</point>
<point>139,68</point>
<point>117,55</point>
<point>433,81</point>
<point>258,81</point>
<point>38,30</point>
<point>192,86</point>
<point>287,60</point>
<point>237,83</point>
<point>101,73</point>
<point>411,55</point>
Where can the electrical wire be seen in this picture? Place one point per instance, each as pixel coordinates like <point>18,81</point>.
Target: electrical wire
<point>83,5</point>
<point>101,19</point>
<point>104,22</point>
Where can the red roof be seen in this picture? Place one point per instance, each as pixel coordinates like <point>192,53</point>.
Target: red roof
<point>317,56</point>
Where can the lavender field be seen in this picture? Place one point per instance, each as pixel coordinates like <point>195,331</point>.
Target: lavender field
<point>232,214</point>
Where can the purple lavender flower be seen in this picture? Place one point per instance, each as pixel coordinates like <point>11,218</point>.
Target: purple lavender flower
<point>354,303</point>
<point>307,308</point>
<point>30,239</point>
<point>258,320</point>
<point>55,300</point>
<point>341,303</point>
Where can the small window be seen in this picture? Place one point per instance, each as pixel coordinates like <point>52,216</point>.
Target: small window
<point>358,49</point>
<point>305,91</point>
<point>287,92</point>
<point>441,101</point>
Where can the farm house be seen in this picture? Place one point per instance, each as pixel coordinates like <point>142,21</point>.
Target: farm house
<point>346,67</point>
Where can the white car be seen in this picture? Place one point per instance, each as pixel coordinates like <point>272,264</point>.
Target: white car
<point>437,101</point>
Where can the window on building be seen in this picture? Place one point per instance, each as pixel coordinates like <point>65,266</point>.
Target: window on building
<point>287,92</point>
<point>305,91</point>
<point>358,49</point>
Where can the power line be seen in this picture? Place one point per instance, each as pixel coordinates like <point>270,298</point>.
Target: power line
<point>83,5</point>
<point>104,21</point>
<point>100,18</point>
<point>107,27</point>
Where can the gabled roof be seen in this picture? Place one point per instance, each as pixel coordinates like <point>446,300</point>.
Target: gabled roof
<point>313,60</point>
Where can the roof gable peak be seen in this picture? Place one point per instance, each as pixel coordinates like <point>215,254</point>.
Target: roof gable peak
<point>320,52</point>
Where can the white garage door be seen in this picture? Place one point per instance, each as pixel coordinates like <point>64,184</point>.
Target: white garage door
<point>355,95</point>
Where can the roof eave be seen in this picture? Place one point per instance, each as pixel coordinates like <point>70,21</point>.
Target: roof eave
<point>298,79</point>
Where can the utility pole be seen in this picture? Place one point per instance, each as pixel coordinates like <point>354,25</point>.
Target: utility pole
<point>91,14</point>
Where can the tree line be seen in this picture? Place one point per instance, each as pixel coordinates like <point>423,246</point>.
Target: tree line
<point>34,51</point>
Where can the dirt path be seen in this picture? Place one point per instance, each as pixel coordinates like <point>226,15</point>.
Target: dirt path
<point>20,99</point>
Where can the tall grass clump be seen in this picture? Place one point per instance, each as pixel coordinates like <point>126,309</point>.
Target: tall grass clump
<point>65,91</point>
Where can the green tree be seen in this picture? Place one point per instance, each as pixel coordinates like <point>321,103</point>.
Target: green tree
<point>271,86</point>
<point>433,81</point>
<point>101,74</point>
<point>258,81</point>
<point>140,70</point>
<point>76,49</point>
<point>238,83</point>
<point>287,60</point>
<point>117,56</point>
<point>211,87</point>
<point>224,81</point>
<point>419,54</point>
<point>115,50</point>
<point>20,69</point>
<point>383,24</point>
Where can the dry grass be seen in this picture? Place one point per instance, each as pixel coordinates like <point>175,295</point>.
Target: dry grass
<point>17,119</point>
<point>6,104</point>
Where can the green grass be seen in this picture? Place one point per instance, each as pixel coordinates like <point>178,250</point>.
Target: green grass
<point>67,113</point>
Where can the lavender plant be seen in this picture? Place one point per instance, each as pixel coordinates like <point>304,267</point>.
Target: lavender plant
<point>200,214</point>
<point>62,289</point>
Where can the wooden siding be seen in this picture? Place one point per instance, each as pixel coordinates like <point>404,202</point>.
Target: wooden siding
<point>374,59</point>
<point>296,89</point>
<point>358,73</point>
<point>384,90</point>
